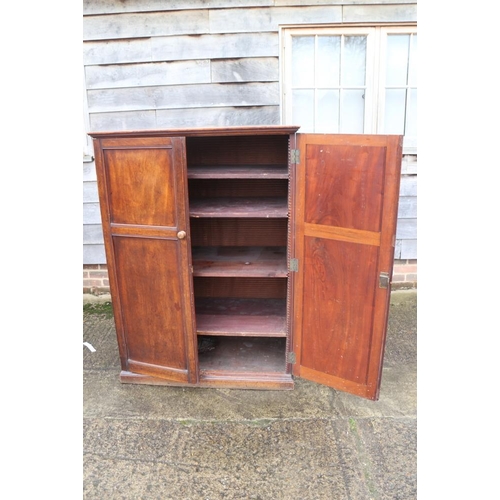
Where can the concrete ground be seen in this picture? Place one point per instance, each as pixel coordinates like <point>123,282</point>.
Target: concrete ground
<point>150,442</point>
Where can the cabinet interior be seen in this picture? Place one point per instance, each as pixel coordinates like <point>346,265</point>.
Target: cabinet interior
<point>239,208</point>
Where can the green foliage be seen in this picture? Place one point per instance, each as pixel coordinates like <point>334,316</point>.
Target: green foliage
<point>105,308</point>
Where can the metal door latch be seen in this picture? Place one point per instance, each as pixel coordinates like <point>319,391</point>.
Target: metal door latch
<point>383,280</point>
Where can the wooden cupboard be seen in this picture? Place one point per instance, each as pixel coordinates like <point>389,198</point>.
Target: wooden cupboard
<point>243,257</point>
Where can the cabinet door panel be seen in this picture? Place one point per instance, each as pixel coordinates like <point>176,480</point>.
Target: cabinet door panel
<point>358,186</point>
<point>341,276</point>
<point>151,305</point>
<point>347,193</point>
<point>143,193</point>
<point>141,189</point>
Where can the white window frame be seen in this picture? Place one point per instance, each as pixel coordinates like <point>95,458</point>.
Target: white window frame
<point>375,70</point>
<point>410,143</point>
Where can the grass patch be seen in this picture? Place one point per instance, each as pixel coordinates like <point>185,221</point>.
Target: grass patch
<point>353,425</point>
<point>105,308</point>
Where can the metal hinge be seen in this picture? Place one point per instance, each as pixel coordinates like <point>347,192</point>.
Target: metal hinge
<point>295,155</point>
<point>383,280</point>
<point>294,265</point>
<point>291,358</point>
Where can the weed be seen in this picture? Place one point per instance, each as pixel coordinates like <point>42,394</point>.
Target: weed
<point>105,308</point>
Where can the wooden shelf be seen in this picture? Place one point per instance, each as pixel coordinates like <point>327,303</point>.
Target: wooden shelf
<point>258,262</point>
<point>241,317</point>
<point>239,207</point>
<point>238,172</point>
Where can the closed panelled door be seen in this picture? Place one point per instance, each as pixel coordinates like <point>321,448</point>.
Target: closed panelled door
<point>347,198</point>
<point>143,185</point>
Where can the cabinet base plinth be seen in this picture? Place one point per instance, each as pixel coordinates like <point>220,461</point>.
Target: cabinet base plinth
<point>269,381</point>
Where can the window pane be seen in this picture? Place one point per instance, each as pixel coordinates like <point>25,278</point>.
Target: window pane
<point>411,115</point>
<point>395,103</point>
<point>397,60</point>
<point>352,112</point>
<point>303,61</point>
<point>327,118</point>
<point>303,109</point>
<point>328,61</point>
<point>412,79</point>
<point>354,61</point>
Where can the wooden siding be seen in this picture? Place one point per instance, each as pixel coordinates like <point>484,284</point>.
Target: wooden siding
<point>183,96</point>
<point>93,241</point>
<point>118,6</point>
<point>181,48</point>
<point>191,63</point>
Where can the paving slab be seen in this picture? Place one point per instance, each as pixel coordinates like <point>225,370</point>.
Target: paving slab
<point>154,442</point>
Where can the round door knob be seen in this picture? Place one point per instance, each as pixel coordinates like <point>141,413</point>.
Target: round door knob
<point>181,235</point>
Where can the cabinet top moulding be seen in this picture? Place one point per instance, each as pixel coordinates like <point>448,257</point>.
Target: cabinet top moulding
<point>199,132</point>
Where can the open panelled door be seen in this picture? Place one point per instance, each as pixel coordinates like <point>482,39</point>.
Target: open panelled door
<point>347,193</point>
<point>142,182</point>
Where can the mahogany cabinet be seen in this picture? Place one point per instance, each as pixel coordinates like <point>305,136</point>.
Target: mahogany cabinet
<point>244,257</point>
